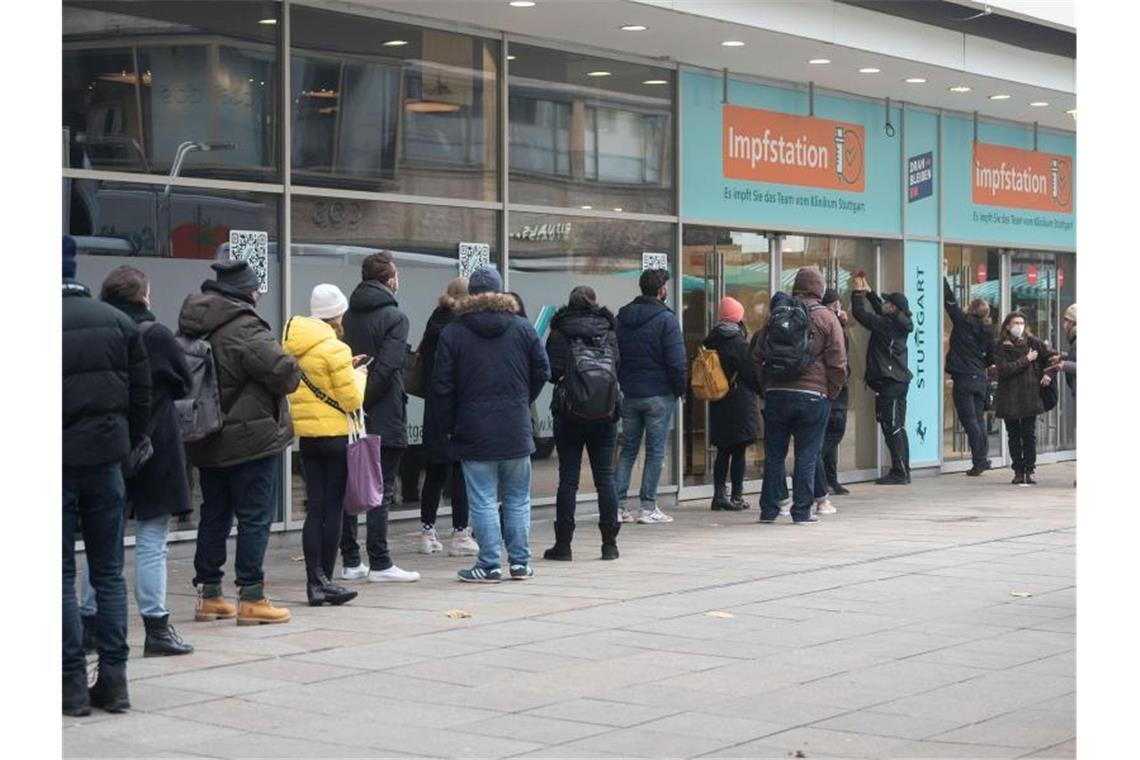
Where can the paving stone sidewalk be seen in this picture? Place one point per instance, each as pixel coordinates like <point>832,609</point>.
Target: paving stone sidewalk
<point>933,621</point>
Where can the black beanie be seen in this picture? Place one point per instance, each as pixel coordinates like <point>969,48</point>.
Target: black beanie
<point>236,275</point>
<point>899,300</point>
<point>831,295</point>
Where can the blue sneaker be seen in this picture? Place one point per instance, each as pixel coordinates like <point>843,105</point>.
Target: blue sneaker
<point>521,572</point>
<point>480,575</point>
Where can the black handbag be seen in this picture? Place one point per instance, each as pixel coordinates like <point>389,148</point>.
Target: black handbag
<point>1049,395</point>
<point>415,383</point>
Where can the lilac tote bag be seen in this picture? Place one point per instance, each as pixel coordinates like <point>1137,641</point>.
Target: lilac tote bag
<point>365,489</point>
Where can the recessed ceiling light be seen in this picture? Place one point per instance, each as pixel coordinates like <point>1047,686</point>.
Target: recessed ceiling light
<point>732,43</point>
<point>522,3</point>
<point>819,61</point>
<point>511,57</point>
<point>395,43</point>
<point>598,74</point>
<point>960,88</point>
<point>268,21</point>
<point>869,70</point>
<point>1072,112</point>
<point>1039,104</point>
<point>656,81</point>
<point>586,208</point>
<point>915,80</point>
<point>1000,97</point>
<point>634,28</point>
<point>617,208</point>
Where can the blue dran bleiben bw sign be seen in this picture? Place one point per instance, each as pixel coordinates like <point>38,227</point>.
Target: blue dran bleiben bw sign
<point>920,177</point>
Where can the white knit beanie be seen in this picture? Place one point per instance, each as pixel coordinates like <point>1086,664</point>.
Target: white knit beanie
<point>327,302</point>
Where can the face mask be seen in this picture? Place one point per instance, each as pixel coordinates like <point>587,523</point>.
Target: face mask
<point>1017,330</point>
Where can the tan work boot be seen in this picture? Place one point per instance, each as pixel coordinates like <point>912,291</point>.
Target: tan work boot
<point>214,607</point>
<point>261,611</point>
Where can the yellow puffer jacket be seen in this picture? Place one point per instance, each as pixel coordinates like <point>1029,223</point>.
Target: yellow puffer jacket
<point>327,363</point>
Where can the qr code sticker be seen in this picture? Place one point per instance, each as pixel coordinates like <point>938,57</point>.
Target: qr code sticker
<point>654,261</point>
<point>252,246</point>
<point>473,256</point>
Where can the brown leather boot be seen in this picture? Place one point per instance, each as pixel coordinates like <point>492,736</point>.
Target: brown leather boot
<point>212,605</point>
<point>261,611</point>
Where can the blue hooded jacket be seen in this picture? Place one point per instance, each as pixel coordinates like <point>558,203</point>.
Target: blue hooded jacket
<point>653,361</point>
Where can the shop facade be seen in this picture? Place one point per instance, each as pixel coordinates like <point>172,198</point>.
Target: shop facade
<point>340,133</point>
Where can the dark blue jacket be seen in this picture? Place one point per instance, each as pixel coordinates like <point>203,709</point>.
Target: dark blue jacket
<point>653,361</point>
<point>489,367</point>
<point>374,325</point>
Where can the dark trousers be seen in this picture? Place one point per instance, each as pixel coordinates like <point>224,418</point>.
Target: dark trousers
<point>325,464</point>
<point>970,404</point>
<point>726,455</point>
<point>599,440</point>
<point>94,502</point>
<point>788,415</point>
<point>435,475</point>
<point>828,469</point>
<point>247,491</point>
<point>376,520</point>
<point>1022,435</point>
<point>890,411</point>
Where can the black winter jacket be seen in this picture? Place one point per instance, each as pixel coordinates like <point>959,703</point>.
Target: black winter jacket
<point>735,419</point>
<point>436,446</point>
<point>106,381</point>
<point>1019,380</point>
<point>887,349</point>
<point>374,325</point>
<point>652,350</point>
<point>255,376</point>
<point>489,368</point>
<point>160,487</point>
<point>971,343</point>
<point>570,322</point>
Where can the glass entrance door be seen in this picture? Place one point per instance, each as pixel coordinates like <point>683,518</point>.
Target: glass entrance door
<point>1034,290</point>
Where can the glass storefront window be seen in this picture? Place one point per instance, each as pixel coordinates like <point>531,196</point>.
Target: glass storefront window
<point>147,82</point>
<point>590,132</point>
<point>1067,288</point>
<point>332,236</point>
<point>393,108</point>
<point>551,255</point>
<point>1034,291</point>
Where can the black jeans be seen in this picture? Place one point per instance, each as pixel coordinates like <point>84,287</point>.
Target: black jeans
<point>325,464</point>
<point>803,417</point>
<point>970,403</point>
<point>598,439</point>
<point>724,456</point>
<point>828,469</point>
<point>93,501</point>
<point>1022,444</point>
<point>435,474</point>
<point>890,411</point>
<point>376,520</point>
<point>247,491</point>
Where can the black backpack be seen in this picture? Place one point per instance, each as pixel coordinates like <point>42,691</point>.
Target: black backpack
<point>589,392</point>
<point>200,413</point>
<point>787,338</point>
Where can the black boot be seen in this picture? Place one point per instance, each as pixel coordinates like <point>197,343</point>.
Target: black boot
<point>609,540</point>
<point>314,589</point>
<point>720,499</point>
<point>560,552</point>
<point>110,690</point>
<point>76,703</point>
<point>335,594</point>
<point>161,638</point>
<point>88,634</point>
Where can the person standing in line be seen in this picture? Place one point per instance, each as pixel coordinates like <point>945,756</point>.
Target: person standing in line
<point>584,361</point>
<point>376,328</point>
<point>889,321</point>
<point>798,405</point>
<point>1023,370</point>
<point>159,489</point>
<point>239,465</point>
<point>440,461</point>
<point>331,389</point>
<point>1067,361</point>
<point>734,421</point>
<point>652,377</point>
<point>967,362</point>
<point>827,472</point>
<point>489,368</point>
<point>106,406</point>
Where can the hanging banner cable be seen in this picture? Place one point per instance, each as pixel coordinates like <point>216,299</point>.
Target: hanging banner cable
<point>811,98</point>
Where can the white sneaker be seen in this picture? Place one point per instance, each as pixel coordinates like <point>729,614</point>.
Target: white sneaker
<point>785,508</point>
<point>462,544</point>
<point>393,575</point>
<point>429,541</point>
<point>354,573</point>
<point>825,507</point>
<point>656,516</point>
<point>627,516</point>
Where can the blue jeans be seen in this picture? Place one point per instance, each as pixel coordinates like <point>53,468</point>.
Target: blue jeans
<point>654,417</point>
<point>150,571</point>
<point>247,491</point>
<point>789,414</point>
<point>94,500</point>
<point>484,481</point>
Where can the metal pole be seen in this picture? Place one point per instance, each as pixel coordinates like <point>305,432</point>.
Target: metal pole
<point>285,236</point>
